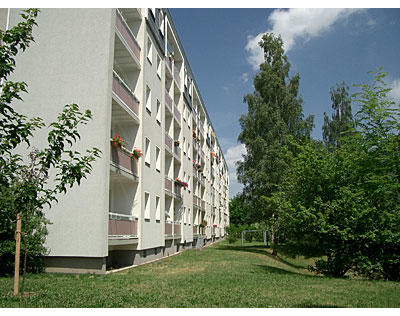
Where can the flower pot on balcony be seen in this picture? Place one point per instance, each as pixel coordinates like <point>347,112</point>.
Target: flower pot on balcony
<point>136,153</point>
<point>115,144</point>
<point>117,141</point>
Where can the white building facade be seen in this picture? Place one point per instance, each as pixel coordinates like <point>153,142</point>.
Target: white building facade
<point>129,68</point>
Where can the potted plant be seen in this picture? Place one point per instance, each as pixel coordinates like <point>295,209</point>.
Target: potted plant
<point>117,141</point>
<point>176,143</point>
<point>181,183</point>
<point>136,153</point>
<point>194,134</point>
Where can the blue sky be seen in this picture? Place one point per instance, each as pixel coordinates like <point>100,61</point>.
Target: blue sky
<point>325,46</point>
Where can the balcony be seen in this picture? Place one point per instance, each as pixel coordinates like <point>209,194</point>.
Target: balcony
<point>168,142</point>
<point>177,114</point>
<point>177,190</point>
<point>177,77</point>
<point>196,201</point>
<point>168,229</point>
<point>195,229</point>
<point>203,204</point>
<point>122,229</point>
<point>127,36</point>
<point>172,230</point>
<point>177,152</point>
<point>177,229</point>
<point>168,62</point>
<point>125,95</point>
<point>173,188</point>
<point>168,101</point>
<point>123,161</point>
<point>122,225</point>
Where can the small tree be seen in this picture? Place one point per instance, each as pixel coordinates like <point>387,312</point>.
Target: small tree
<point>25,182</point>
<point>344,206</point>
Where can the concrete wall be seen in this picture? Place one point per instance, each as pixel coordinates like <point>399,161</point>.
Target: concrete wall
<point>70,62</point>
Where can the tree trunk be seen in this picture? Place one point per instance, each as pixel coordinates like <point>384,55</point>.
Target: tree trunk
<point>17,252</point>
<point>25,253</point>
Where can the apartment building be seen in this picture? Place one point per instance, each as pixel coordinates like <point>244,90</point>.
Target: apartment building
<point>129,68</point>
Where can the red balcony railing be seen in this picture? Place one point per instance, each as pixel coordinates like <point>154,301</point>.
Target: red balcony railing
<point>168,141</point>
<point>123,225</point>
<point>127,35</point>
<point>125,94</point>
<point>123,159</point>
<point>168,184</point>
<point>168,229</point>
<point>177,228</point>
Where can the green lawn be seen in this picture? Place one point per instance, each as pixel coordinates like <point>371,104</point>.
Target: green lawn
<point>221,275</point>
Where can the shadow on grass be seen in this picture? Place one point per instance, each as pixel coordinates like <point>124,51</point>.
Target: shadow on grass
<point>263,250</point>
<point>311,305</point>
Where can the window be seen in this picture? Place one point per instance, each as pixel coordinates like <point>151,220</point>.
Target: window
<point>158,115</point>
<point>189,217</point>
<point>158,208</point>
<point>158,159</point>
<point>148,99</point>
<point>147,158</point>
<point>184,215</point>
<point>146,205</point>
<point>184,112</point>
<point>184,145</point>
<point>188,150</point>
<point>149,50</point>
<point>189,183</point>
<point>161,22</point>
<point>158,66</point>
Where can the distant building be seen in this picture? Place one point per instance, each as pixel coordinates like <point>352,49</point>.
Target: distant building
<point>129,68</point>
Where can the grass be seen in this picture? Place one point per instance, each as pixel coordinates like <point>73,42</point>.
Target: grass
<point>223,275</point>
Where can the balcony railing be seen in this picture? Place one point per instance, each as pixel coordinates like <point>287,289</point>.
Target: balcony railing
<point>177,77</point>
<point>203,204</point>
<point>168,229</point>
<point>127,35</point>
<point>172,229</point>
<point>177,228</point>
<point>168,142</point>
<point>177,190</point>
<point>177,113</point>
<point>122,225</point>
<point>168,184</point>
<point>195,230</point>
<point>177,151</point>
<point>168,101</point>
<point>168,61</point>
<point>125,93</point>
<point>173,187</point>
<point>121,158</point>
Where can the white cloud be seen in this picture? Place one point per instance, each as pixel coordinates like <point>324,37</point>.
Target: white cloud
<point>232,155</point>
<point>295,25</point>
<point>245,77</point>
